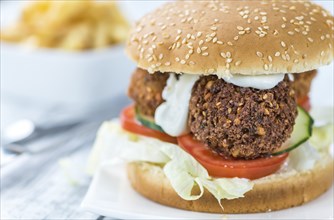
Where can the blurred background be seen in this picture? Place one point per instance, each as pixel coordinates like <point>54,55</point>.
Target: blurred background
<point>64,71</point>
<point>64,59</point>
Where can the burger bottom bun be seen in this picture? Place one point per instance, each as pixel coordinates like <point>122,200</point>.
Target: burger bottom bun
<point>274,192</point>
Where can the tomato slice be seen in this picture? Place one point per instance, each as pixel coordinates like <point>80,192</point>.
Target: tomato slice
<point>219,166</point>
<point>130,124</point>
<point>305,103</point>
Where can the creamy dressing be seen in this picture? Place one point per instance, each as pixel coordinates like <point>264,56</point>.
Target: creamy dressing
<point>172,115</point>
<point>257,82</point>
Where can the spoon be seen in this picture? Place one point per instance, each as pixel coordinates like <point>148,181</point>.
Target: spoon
<point>25,130</point>
<point>18,131</point>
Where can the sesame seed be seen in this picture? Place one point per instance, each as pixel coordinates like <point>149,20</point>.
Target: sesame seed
<point>270,58</point>
<point>183,62</point>
<point>208,39</point>
<point>184,40</point>
<point>200,42</point>
<point>310,39</point>
<point>179,31</point>
<point>205,54</point>
<point>220,42</point>
<point>259,54</point>
<point>229,60</point>
<point>300,18</point>
<point>177,59</point>
<point>166,36</point>
<point>199,50</point>
<point>167,64</point>
<point>291,33</point>
<point>214,40</point>
<point>228,54</point>
<point>235,38</point>
<point>296,61</point>
<point>192,63</point>
<point>214,28</point>
<point>242,32</point>
<point>322,53</point>
<point>283,57</point>
<point>287,57</point>
<point>238,63</point>
<point>240,28</point>
<point>161,56</point>
<point>283,44</point>
<point>204,48</point>
<point>292,7</point>
<point>230,43</point>
<point>199,34</point>
<point>266,67</point>
<point>223,54</point>
<point>322,37</point>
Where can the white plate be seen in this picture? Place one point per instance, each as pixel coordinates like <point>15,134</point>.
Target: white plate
<point>110,194</point>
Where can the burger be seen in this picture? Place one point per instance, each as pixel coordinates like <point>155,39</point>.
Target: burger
<point>220,118</point>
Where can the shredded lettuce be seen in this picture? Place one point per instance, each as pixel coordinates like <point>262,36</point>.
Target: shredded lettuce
<point>182,170</point>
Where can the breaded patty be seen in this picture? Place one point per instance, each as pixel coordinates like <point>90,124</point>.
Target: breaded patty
<point>241,122</point>
<point>302,83</point>
<point>146,90</point>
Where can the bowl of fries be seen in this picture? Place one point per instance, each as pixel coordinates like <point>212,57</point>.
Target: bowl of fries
<point>65,52</point>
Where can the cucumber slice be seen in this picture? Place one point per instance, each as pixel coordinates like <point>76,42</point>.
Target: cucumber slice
<point>302,131</point>
<point>147,121</point>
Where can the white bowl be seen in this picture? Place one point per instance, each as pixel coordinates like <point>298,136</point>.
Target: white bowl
<point>71,79</point>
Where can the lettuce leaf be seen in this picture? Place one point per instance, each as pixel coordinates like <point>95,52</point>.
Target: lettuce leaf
<point>182,170</point>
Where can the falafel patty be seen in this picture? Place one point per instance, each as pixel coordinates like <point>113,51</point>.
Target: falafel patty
<point>302,83</point>
<point>241,122</point>
<point>146,90</point>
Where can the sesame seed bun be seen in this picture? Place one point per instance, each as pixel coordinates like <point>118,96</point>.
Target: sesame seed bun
<point>274,192</point>
<point>233,37</point>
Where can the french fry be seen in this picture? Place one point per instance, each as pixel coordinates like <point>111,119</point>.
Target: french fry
<point>70,25</point>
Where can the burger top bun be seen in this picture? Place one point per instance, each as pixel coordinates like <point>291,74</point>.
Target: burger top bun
<point>233,37</point>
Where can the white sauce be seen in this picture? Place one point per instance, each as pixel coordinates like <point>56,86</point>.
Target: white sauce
<point>257,82</point>
<point>172,115</point>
